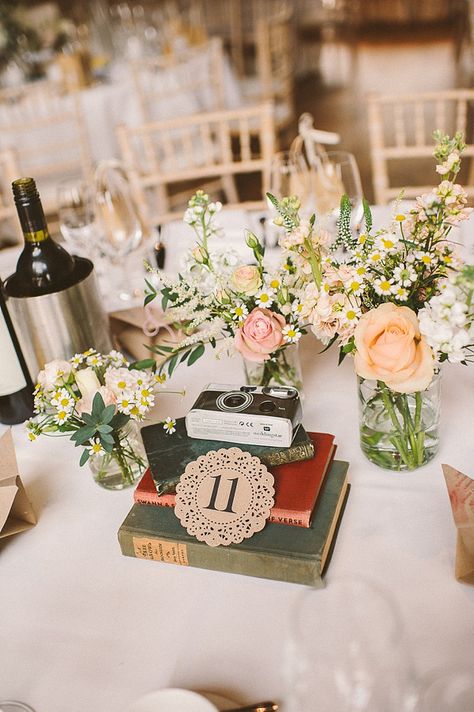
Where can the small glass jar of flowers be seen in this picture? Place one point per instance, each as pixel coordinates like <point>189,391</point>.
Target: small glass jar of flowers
<point>233,306</point>
<point>98,400</point>
<point>398,299</point>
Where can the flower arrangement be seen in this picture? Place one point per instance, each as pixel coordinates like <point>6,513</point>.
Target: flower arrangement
<point>232,306</point>
<point>96,399</point>
<point>396,299</point>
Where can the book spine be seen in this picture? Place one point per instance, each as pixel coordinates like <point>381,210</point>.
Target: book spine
<point>277,516</point>
<point>289,568</point>
<point>295,453</point>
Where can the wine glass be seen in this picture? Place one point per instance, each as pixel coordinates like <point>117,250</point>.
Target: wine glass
<point>335,174</point>
<point>77,216</point>
<point>14,706</point>
<point>347,652</point>
<point>121,225</point>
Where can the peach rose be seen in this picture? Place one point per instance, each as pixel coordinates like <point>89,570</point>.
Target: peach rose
<point>85,404</point>
<point>246,279</point>
<point>260,335</point>
<point>391,349</point>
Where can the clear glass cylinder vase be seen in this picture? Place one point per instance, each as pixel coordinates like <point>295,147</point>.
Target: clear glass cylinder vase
<point>282,369</point>
<point>399,431</point>
<point>125,465</point>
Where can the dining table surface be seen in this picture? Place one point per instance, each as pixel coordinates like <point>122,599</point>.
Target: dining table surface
<point>84,628</point>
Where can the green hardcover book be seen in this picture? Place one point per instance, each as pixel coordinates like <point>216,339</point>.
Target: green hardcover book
<point>168,455</point>
<point>278,552</point>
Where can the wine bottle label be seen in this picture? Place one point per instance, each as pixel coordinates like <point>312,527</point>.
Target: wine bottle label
<point>37,236</point>
<point>12,378</point>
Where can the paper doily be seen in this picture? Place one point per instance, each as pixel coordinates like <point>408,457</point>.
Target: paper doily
<point>224,496</point>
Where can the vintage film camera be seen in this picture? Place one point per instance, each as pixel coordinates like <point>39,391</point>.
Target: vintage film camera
<point>251,415</point>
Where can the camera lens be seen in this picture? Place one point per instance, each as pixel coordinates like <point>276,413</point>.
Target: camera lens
<point>234,400</point>
<point>267,406</point>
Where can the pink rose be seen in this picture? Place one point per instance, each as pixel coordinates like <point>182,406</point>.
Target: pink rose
<point>391,349</point>
<point>85,404</point>
<point>260,335</point>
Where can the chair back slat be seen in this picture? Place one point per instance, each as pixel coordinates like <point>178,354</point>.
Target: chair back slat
<point>401,129</point>
<point>214,145</point>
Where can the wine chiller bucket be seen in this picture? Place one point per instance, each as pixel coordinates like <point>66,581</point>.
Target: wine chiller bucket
<point>61,324</point>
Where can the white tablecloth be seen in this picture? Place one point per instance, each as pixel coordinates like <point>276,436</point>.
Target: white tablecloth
<point>84,628</point>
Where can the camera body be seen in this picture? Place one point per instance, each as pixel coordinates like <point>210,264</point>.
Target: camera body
<point>249,415</point>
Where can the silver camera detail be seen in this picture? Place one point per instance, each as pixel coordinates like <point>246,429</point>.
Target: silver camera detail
<point>252,415</point>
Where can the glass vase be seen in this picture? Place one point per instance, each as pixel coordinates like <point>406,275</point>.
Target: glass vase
<point>125,465</point>
<point>399,431</point>
<point>282,369</point>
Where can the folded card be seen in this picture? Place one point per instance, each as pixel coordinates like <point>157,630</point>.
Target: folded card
<point>16,512</point>
<point>137,328</point>
<point>461,495</point>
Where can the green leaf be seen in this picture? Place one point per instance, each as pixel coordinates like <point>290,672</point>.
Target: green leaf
<point>272,199</point>
<point>108,413</point>
<point>83,435</point>
<point>98,405</point>
<point>184,356</point>
<point>149,298</point>
<point>106,438</point>
<point>103,428</point>
<point>142,365</point>
<point>119,420</point>
<point>328,346</point>
<point>197,353</point>
<point>84,457</point>
<point>172,364</point>
<point>89,419</point>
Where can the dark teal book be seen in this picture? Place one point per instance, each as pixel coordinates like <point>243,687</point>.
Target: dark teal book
<point>279,552</point>
<point>168,455</point>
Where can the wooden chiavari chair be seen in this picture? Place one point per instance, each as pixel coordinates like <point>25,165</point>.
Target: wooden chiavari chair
<point>401,131</point>
<point>179,85</point>
<point>218,145</point>
<point>49,134</point>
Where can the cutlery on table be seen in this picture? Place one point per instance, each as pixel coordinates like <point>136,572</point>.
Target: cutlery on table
<point>256,707</point>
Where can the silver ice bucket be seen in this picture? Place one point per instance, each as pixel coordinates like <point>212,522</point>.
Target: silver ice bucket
<point>60,324</point>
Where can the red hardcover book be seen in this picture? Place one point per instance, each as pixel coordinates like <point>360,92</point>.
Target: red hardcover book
<point>297,485</point>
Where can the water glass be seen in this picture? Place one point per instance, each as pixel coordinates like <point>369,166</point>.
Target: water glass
<point>347,652</point>
<point>445,690</point>
<point>289,175</point>
<point>77,216</point>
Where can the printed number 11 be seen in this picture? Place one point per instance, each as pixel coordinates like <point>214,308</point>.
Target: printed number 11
<point>215,492</point>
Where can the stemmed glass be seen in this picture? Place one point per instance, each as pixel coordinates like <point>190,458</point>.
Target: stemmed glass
<point>335,174</point>
<point>447,689</point>
<point>77,216</point>
<point>121,225</point>
<point>347,651</point>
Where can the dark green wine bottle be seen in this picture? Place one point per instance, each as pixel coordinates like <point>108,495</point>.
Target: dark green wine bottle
<point>43,266</point>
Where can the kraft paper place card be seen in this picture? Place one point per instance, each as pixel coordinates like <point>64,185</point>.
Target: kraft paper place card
<point>136,328</point>
<point>16,512</point>
<point>461,495</point>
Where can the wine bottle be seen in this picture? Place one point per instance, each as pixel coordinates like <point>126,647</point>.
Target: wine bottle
<point>43,266</point>
<point>16,387</point>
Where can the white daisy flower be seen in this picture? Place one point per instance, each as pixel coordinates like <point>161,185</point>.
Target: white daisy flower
<point>77,359</point>
<point>95,447</point>
<point>63,400</point>
<point>297,308</point>
<point>274,282</point>
<point>400,292</point>
<point>169,426</point>
<point>264,297</point>
<point>375,257</point>
<point>426,258</point>
<point>355,286</point>
<point>404,274</point>
<point>383,286</point>
<point>94,360</point>
<point>61,416</point>
<point>239,312</point>
<point>387,242</point>
<point>291,333</point>
<point>350,314</point>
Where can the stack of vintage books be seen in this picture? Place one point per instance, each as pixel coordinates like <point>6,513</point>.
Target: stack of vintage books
<point>311,490</point>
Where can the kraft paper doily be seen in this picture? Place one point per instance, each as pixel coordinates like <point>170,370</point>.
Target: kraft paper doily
<point>224,496</point>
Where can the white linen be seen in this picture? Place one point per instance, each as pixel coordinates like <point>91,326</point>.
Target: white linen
<point>84,628</point>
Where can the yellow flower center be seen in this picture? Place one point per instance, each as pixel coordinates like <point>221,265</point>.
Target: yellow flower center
<point>385,285</point>
<point>400,217</point>
<point>121,384</point>
<point>350,314</point>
